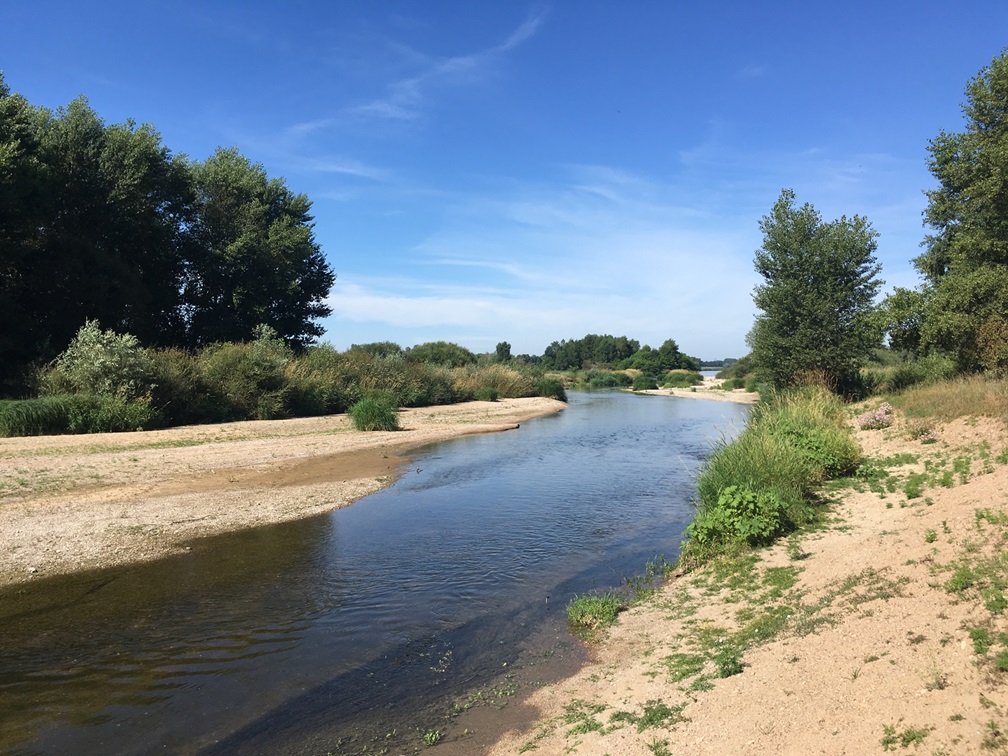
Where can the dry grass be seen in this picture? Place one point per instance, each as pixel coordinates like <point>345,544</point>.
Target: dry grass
<point>948,400</point>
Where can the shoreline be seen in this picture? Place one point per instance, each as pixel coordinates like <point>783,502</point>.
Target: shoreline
<point>856,636</point>
<point>78,502</point>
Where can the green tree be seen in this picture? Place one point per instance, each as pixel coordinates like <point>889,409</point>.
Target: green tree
<point>902,316</point>
<point>503,352</point>
<point>816,302</point>
<point>23,197</point>
<point>965,262</point>
<point>258,260</point>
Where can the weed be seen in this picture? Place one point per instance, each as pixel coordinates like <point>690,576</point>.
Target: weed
<point>930,536</point>
<point>680,666</point>
<point>589,615</point>
<point>581,714</point>
<point>910,736</point>
<point>936,680</point>
<point>431,737</point>
<point>659,747</point>
<point>657,714</point>
<point>994,737</point>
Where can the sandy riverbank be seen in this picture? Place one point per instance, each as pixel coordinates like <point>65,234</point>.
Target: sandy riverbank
<point>882,630</point>
<point>710,389</point>
<point>70,503</point>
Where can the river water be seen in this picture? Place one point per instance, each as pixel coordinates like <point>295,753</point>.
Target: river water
<point>330,633</point>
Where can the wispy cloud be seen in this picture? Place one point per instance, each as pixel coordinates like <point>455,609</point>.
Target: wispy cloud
<point>405,97</point>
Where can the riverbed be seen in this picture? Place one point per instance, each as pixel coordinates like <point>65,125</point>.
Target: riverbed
<point>376,621</point>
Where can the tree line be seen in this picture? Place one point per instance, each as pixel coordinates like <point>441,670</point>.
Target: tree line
<point>102,221</point>
<point>817,312</point>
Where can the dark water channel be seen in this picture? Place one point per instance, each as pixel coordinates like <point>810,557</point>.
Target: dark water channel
<point>321,635</point>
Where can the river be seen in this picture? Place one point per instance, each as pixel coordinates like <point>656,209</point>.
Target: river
<point>377,621</point>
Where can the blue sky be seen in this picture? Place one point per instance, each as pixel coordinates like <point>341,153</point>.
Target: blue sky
<point>527,172</point>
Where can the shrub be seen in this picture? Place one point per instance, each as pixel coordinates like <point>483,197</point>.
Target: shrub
<point>487,394</point>
<point>644,383</point>
<point>247,379</point>
<point>739,515</point>
<point>875,419</point>
<point>606,379</point>
<point>375,413</point>
<point>552,388</point>
<point>441,353</point>
<point>103,363</point>
<point>763,483</point>
<point>730,384</point>
<point>682,379</point>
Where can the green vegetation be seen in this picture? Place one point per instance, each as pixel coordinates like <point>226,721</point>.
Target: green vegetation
<point>108,382</point>
<point>375,413</point>
<point>764,483</point>
<point>102,222</point>
<point>682,379</point>
<point>816,310</point>
<point>589,615</point>
<point>616,352</point>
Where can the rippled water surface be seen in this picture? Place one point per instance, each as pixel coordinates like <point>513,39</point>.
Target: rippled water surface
<point>298,636</point>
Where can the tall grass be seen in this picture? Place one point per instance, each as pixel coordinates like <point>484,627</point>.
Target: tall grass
<point>948,400</point>
<point>682,379</point>
<point>75,413</point>
<point>508,382</point>
<point>375,413</point>
<point>792,443</point>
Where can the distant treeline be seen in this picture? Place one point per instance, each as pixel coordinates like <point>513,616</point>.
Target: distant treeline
<point>102,222</point>
<point>614,352</point>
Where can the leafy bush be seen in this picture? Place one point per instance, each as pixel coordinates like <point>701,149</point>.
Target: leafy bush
<point>487,394</point>
<point>442,353</point>
<point>770,473</point>
<point>247,379</point>
<point>606,379</point>
<point>682,379</point>
<point>739,515</point>
<point>375,413</point>
<point>103,363</point>
<point>644,383</point>
<point>552,388</point>
<point>731,384</point>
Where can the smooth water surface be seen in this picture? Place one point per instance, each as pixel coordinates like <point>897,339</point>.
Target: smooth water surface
<point>297,634</point>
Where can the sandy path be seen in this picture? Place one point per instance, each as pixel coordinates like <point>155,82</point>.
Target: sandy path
<point>855,643</point>
<point>70,503</point>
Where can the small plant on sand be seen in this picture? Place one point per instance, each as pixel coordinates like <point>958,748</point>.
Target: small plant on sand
<point>910,736</point>
<point>431,737</point>
<point>589,615</point>
<point>876,419</point>
<point>375,413</point>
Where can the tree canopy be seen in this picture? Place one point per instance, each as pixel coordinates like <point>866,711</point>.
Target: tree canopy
<point>816,302</point>
<point>965,262</point>
<point>102,222</point>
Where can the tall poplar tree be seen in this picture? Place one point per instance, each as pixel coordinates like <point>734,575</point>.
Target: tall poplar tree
<point>816,301</point>
<point>965,262</point>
